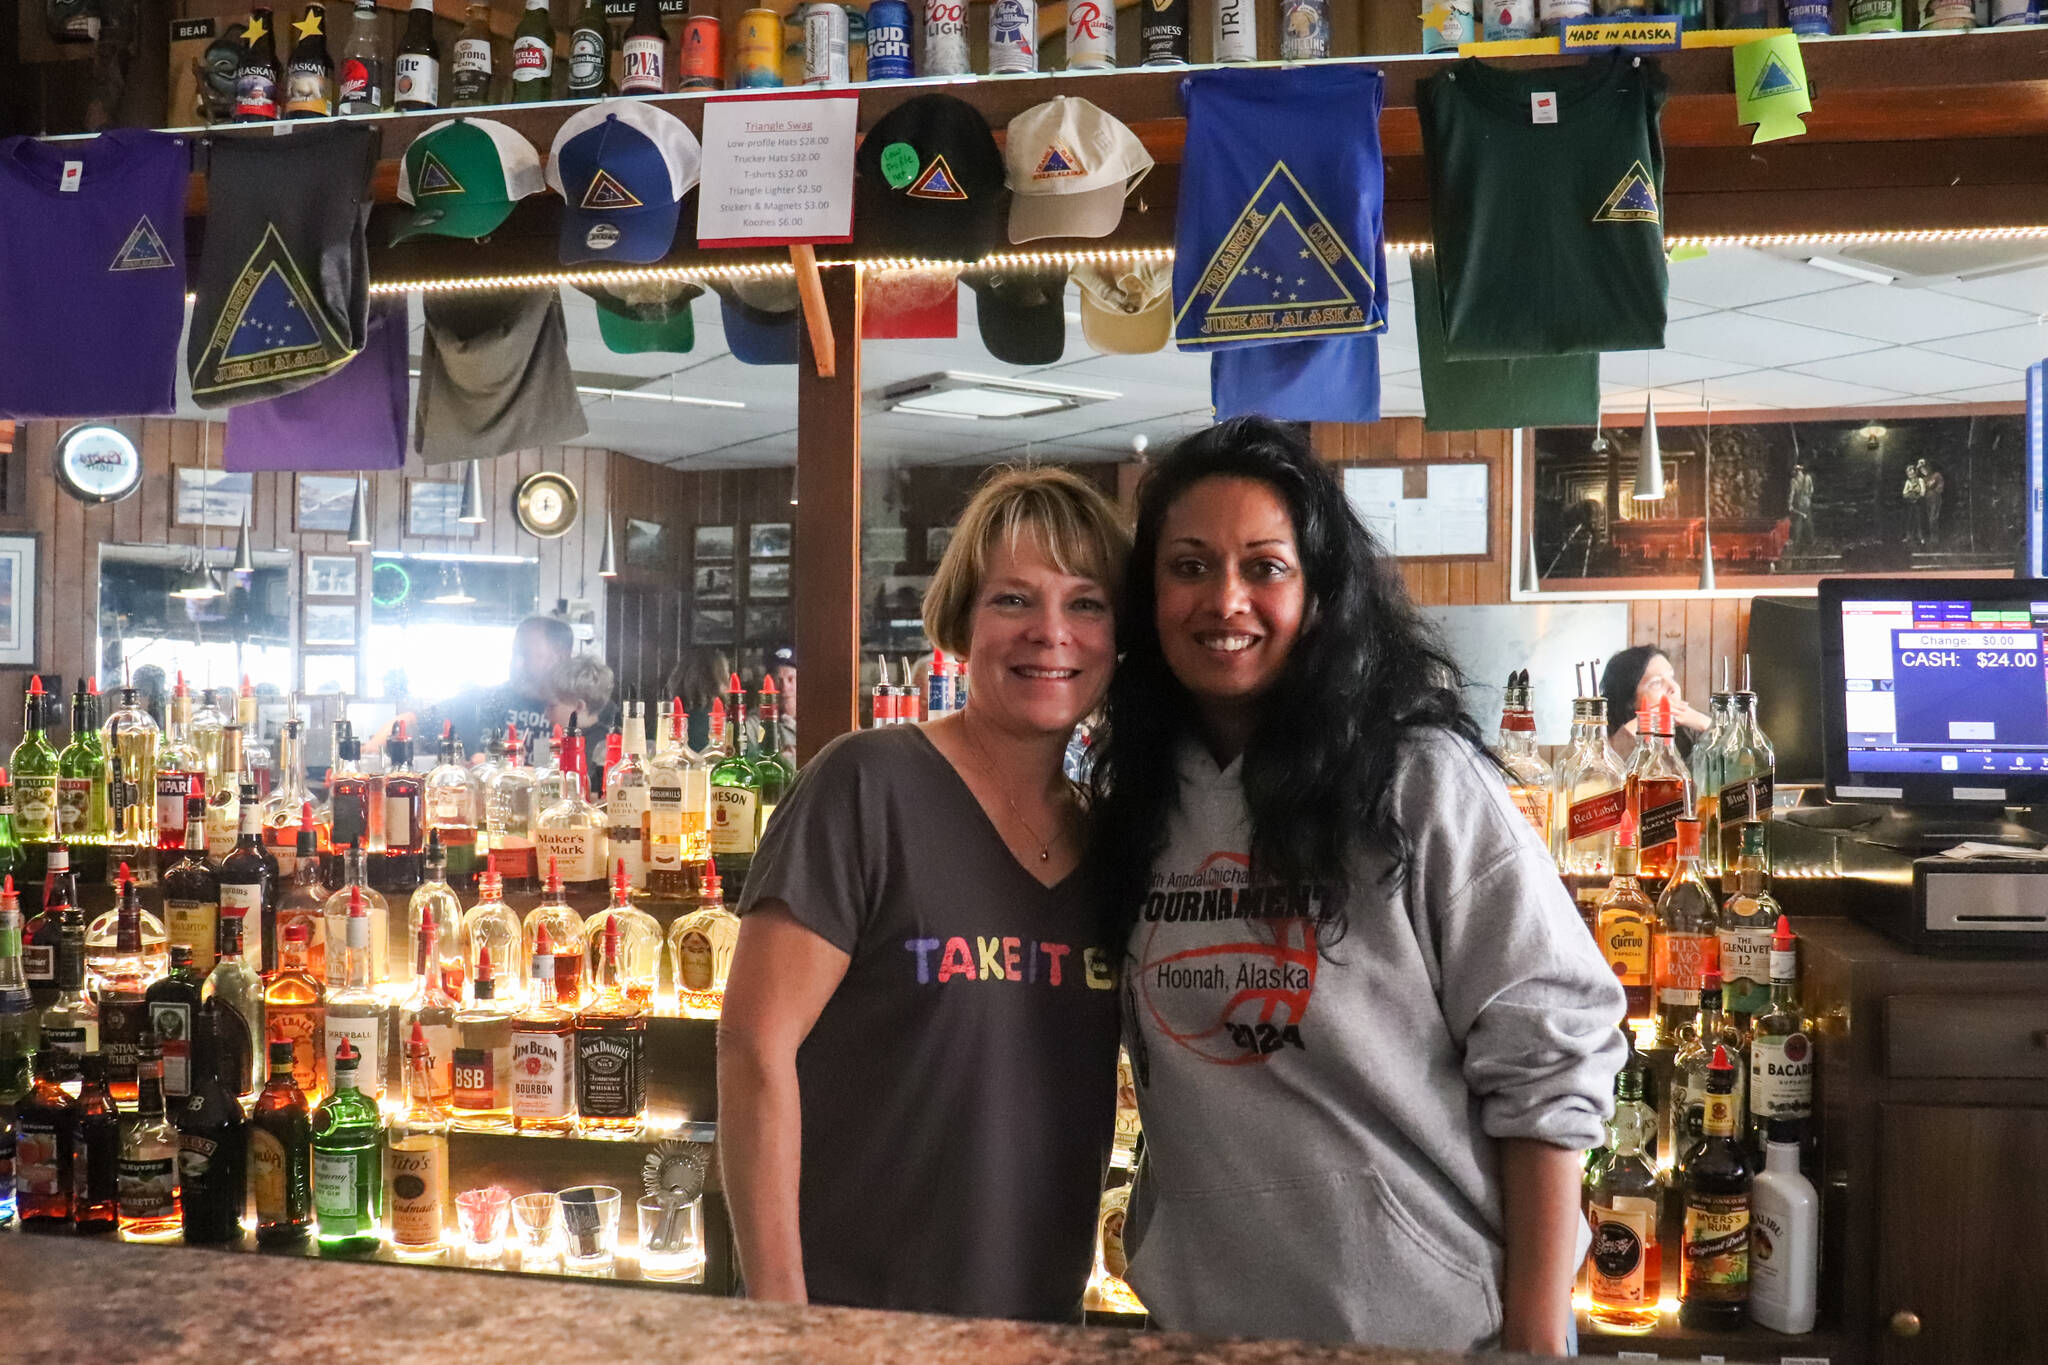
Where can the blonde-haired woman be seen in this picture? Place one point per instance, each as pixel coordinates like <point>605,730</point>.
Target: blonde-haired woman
<point>917,1058</point>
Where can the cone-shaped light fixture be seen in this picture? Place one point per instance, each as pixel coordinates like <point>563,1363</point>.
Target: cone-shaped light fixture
<point>359,515</point>
<point>196,584</point>
<point>245,559</point>
<point>472,512</point>
<point>608,559</point>
<point>1707,503</point>
<point>1649,459</point>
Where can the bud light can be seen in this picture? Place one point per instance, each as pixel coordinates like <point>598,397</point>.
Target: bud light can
<point>945,38</point>
<point>889,41</point>
<point>697,56</point>
<point>825,45</point>
<point>1237,30</point>
<point>1305,30</point>
<point>1447,25</point>
<point>1509,19</point>
<point>1091,35</point>
<point>1012,37</point>
<point>758,62</point>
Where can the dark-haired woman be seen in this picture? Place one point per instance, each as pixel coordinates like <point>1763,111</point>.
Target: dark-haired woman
<point>1635,680</point>
<point>1371,1036</point>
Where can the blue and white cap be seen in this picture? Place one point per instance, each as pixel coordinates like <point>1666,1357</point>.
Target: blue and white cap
<point>622,168</point>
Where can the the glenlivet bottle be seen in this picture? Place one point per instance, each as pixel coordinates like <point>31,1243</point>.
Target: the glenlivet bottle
<point>418,69</point>
<point>213,1143</point>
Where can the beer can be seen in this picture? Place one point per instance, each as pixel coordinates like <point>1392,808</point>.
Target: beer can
<point>2005,13</point>
<point>889,41</point>
<point>1948,14</point>
<point>1012,37</point>
<point>1508,19</point>
<point>759,62</point>
<point>825,45</point>
<point>1305,30</point>
<point>1554,14</point>
<point>1447,25</point>
<point>945,38</point>
<point>698,57</point>
<point>1165,32</point>
<point>1237,30</point>
<point>1091,35</point>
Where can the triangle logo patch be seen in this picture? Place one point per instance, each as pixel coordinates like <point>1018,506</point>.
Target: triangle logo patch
<point>1057,163</point>
<point>144,249</point>
<point>271,326</point>
<point>937,182</point>
<point>1774,79</point>
<point>1282,273</point>
<point>1634,199</point>
<point>607,193</point>
<point>435,177</point>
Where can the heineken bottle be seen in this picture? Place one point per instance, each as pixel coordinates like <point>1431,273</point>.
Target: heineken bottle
<point>590,54</point>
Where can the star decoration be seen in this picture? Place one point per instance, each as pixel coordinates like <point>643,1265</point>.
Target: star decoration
<point>254,31</point>
<point>1304,253</point>
<point>308,27</point>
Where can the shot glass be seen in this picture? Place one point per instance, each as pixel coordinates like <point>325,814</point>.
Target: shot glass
<point>482,1215</point>
<point>671,1238</point>
<point>590,1218</point>
<point>538,1220</point>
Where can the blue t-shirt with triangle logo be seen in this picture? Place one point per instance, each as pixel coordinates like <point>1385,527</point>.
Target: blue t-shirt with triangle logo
<point>92,299</point>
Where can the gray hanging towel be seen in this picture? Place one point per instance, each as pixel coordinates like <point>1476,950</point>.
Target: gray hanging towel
<point>494,376</point>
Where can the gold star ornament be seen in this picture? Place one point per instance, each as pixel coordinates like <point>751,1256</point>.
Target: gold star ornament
<point>308,27</point>
<point>254,31</point>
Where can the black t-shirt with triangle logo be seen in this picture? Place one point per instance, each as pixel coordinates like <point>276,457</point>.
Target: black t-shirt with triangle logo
<point>1546,193</point>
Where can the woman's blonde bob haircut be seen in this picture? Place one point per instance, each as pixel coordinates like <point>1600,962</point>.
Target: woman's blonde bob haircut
<point>1078,529</point>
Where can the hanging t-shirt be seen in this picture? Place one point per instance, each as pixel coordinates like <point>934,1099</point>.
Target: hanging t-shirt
<point>1336,379</point>
<point>959,1088</point>
<point>1546,198</point>
<point>494,376</point>
<point>92,301</point>
<point>1495,395</point>
<point>353,419</point>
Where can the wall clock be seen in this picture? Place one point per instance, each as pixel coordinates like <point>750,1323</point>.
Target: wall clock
<point>546,504</point>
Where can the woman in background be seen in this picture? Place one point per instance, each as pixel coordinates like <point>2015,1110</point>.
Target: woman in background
<point>699,678</point>
<point>1635,680</point>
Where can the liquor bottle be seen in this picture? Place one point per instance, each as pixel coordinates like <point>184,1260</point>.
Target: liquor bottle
<point>35,769</point>
<point>204,729</point>
<point>71,1024</point>
<point>105,958</point>
<point>45,1136</point>
<point>45,929</point>
<point>533,55</point>
<point>10,843</point>
<point>1714,1275</point>
<point>1707,765</point>
<point>1749,918</point>
<point>82,775</point>
<point>434,901</point>
<point>452,801</point>
<point>257,760</point>
<point>356,1015</point>
<point>1684,944</point>
<point>309,79</point>
<point>678,791</point>
<point>700,947</point>
<point>341,906</point>
<point>640,940</point>
<point>295,1011</point>
<point>131,739</point>
<point>149,1157</point>
<point>362,68</point>
<point>192,891</point>
<point>180,772</point>
<point>173,1004</point>
<point>590,53</point>
<point>1781,1047</point>
<point>1591,793</point>
<point>281,1154</point>
<point>247,876</point>
<point>735,796</point>
<point>627,797</point>
<point>1659,792</point>
<point>469,81</point>
<point>1685,1108</point>
<point>224,796</point>
<point>1165,36</point>
<point>1749,772</point>
<point>1625,1206</point>
<point>402,797</point>
<point>416,1156</point>
<point>304,901</point>
<point>124,1009</point>
<point>482,1073</point>
<point>348,1174</point>
<point>508,814</point>
<point>715,748</point>
<point>644,51</point>
<point>96,1153</point>
<point>1530,780</point>
<point>1784,1249</point>
<point>570,834</point>
<point>776,772</point>
<point>543,1052</point>
<point>611,1048</point>
<point>565,931</point>
<point>20,1030</point>
<point>213,1144</point>
<point>256,78</point>
<point>289,805</point>
<point>234,994</point>
<point>417,72</point>
<point>1624,924</point>
<point>491,927</point>
<point>429,1012</point>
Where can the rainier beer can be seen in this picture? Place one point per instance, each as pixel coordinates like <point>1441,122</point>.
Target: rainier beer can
<point>1165,32</point>
<point>698,56</point>
<point>1305,30</point>
<point>1091,35</point>
<point>825,39</point>
<point>889,41</point>
<point>945,38</point>
<point>1012,37</point>
<point>1237,30</point>
<point>758,63</point>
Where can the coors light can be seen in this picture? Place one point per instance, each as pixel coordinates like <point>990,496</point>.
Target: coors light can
<point>825,37</point>
<point>1237,30</point>
<point>1012,37</point>
<point>1304,30</point>
<point>1091,35</point>
<point>945,38</point>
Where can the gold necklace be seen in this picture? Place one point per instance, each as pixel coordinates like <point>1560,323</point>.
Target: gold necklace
<point>988,770</point>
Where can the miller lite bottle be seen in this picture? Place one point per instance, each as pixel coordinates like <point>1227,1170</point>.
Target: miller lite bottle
<point>418,69</point>
<point>1237,30</point>
<point>945,38</point>
<point>1012,37</point>
<point>1091,35</point>
<point>1166,33</point>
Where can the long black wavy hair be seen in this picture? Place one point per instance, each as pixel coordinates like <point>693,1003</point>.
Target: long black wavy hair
<point>1366,669</point>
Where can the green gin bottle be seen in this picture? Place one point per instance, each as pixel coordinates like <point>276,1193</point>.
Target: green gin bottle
<point>35,770</point>
<point>348,1168</point>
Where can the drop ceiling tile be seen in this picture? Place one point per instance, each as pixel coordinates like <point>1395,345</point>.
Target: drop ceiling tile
<point>1755,341</point>
<point>1779,389</point>
<point>1734,277</point>
<point>2026,290</point>
<point>1889,314</point>
<point>1907,369</point>
<point>2014,391</point>
<point>1665,367</point>
<point>2012,347</point>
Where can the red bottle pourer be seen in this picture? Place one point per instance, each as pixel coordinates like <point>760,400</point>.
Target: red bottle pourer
<point>92,686</point>
<point>614,750</point>
<point>486,970</point>
<point>678,720</point>
<point>356,908</point>
<point>622,889</point>
<point>10,899</point>
<point>717,718</point>
<point>611,950</point>
<point>1664,716</point>
<point>178,690</point>
<point>713,889</point>
<point>512,740</point>
<point>35,684</point>
<point>1781,939</point>
<point>416,1046</point>
<point>553,889</point>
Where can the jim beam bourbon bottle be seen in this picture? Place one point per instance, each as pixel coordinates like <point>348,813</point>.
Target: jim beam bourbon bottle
<point>543,1052</point>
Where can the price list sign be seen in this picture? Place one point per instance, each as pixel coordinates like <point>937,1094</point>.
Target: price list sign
<point>778,169</point>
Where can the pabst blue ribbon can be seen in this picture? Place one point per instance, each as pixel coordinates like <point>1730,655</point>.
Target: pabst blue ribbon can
<point>1091,35</point>
<point>825,45</point>
<point>758,62</point>
<point>1237,30</point>
<point>1012,37</point>
<point>1304,30</point>
<point>945,38</point>
<point>889,41</point>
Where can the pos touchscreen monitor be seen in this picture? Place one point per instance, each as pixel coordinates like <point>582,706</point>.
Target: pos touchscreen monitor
<point>1936,690</point>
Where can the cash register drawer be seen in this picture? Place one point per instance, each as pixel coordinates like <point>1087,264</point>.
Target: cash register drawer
<point>1992,1037</point>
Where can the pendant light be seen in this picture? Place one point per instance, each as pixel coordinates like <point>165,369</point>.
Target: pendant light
<point>1707,496</point>
<point>245,559</point>
<point>608,558</point>
<point>472,513</point>
<point>197,585</point>
<point>359,516</point>
<point>1649,459</point>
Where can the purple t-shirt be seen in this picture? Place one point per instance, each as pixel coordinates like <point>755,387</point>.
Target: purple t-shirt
<point>92,303</point>
<point>353,419</point>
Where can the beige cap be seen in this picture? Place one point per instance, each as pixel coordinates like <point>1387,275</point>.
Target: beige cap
<point>1126,309</point>
<point>1069,166</point>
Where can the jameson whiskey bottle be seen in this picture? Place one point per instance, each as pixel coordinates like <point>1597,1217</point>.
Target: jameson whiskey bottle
<point>256,77</point>
<point>362,92</point>
<point>418,69</point>
<point>308,82</point>
<point>644,49</point>
<point>533,55</point>
<point>590,54</point>
<point>470,84</point>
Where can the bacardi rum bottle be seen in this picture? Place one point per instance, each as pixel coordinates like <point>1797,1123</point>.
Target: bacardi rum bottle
<point>543,1053</point>
<point>483,1051</point>
<point>611,1048</point>
<point>1591,791</point>
<point>1659,793</point>
<point>281,1154</point>
<point>1781,1048</point>
<point>639,940</point>
<point>1685,944</point>
<point>416,1155</point>
<point>348,1174</point>
<point>564,928</point>
<point>1529,778</point>
<point>700,947</point>
<point>1625,1205</point>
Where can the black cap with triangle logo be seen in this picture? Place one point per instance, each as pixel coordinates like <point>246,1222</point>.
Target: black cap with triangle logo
<point>929,182</point>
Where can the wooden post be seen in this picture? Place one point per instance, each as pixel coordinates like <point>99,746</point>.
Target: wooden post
<point>828,588</point>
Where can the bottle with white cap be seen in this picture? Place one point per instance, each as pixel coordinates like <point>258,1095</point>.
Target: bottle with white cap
<point>1237,30</point>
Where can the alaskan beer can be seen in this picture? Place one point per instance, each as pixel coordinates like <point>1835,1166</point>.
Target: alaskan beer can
<point>1305,30</point>
<point>1012,37</point>
<point>1506,20</point>
<point>699,61</point>
<point>759,60</point>
<point>1091,35</point>
<point>825,45</point>
<point>889,41</point>
<point>1237,30</point>
<point>945,38</point>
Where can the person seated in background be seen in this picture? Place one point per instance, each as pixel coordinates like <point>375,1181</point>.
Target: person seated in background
<point>540,646</point>
<point>582,687</point>
<point>782,668</point>
<point>1635,680</point>
<point>698,679</point>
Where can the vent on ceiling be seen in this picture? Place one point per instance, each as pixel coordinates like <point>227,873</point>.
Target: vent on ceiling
<point>969,397</point>
<point>1923,265</point>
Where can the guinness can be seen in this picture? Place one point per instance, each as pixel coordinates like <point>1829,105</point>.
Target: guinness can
<point>1305,30</point>
<point>1012,37</point>
<point>1237,30</point>
<point>945,38</point>
<point>825,37</point>
<point>1091,35</point>
<point>1166,32</point>
<point>698,55</point>
<point>758,64</point>
<point>889,41</point>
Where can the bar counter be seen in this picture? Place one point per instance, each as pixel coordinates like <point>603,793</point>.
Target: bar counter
<point>65,1300</point>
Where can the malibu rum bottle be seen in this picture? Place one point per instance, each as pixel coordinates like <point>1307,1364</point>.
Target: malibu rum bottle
<point>1714,1276</point>
<point>418,68</point>
<point>416,1157</point>
<point>281,1154</point>
<point>543,1053</point>
<point>348,1174</point>
<point>533,55</point>
<point>611,1049</point>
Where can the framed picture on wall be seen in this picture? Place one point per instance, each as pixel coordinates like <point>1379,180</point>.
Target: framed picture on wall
<point>768,540</point>
<point>712,583</point>
<point>326,624</point>
<point>329,673</point>
<point>713,542</point>
<point>324,502</point>
<point>330,576</point>
<point>768,580</point>
<point>18,599</point>
<point>768,625</point>
<point>646,542</point>
<point>431,509</point>
<point>214,497</point>
<point>712,627</point>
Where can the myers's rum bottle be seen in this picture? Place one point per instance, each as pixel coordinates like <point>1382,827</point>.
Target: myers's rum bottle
<point>1714,1276</point>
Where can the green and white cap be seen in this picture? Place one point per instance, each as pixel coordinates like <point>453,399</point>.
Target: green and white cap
<point>462,177</point>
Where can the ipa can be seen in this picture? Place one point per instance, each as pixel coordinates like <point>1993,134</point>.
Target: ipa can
<point>1237,30</point>
<point>1305,30</point>
<point>1012,37</point>
<point>759,59</point>
<point>889,41</point>
<point>825,45</point>
<point>698,56</point>
<point>1091,35</point>
<point>1165,33</point>
<point>945,38</point>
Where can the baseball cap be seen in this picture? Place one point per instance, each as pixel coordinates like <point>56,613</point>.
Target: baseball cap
<point>782,656</point>
<point>1069,166</point>
<point>622,168</point>
<point>645,315</point>
<point>462,177</point>
<point>928,181</point>
<point>761,317</point>
<point>1126,309</point>
<point>921,303</point>
<point>1022,314</point>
